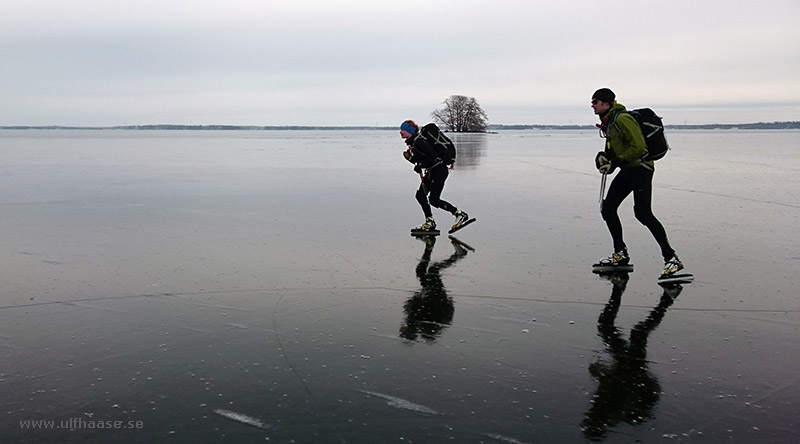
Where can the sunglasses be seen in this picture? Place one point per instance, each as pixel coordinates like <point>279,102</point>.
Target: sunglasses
<point>595,102</point>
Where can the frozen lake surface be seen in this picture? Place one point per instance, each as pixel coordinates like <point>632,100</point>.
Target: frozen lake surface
<point>262,286</point>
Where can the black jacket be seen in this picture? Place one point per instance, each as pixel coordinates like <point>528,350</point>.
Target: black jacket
<point>422,152</point>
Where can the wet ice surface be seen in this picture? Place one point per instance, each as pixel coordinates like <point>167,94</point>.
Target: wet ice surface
<point>262,287</point>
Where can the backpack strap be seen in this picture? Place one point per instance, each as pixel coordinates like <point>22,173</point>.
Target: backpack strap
<point>432,144</point>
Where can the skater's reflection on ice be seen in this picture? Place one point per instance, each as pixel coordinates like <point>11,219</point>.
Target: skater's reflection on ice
<point>627,390</point>
<point>430,310</point>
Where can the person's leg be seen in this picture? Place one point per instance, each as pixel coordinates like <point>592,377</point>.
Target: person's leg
<point>642,180</point>
<point>422,198</point>
<point>617,192</point>
<point>438,176</point>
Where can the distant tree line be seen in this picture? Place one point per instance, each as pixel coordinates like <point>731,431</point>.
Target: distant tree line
<point>789,125</point>
<point>711,126</point>
<point>760,125</point>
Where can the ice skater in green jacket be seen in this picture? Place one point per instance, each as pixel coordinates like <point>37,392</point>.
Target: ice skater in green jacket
<point>624,149</point>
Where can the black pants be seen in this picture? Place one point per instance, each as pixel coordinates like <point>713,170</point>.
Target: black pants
<point>639,181</point>
<point>433,185</point>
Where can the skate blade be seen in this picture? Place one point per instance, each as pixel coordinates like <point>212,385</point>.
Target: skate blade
<point>460,242</point>
<point>425,232</point>
<point>458,227</point>
<point>676,279</point>
<point>612,268</point>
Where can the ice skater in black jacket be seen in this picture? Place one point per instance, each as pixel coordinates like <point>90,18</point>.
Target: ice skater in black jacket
<point>433,172</point>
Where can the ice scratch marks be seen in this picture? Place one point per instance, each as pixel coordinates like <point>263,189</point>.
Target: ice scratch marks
<point>402,403</point>
<point>502,438</point>
<point>280,344</point>
<point>731,196</point>
<point>241,417</point>
<point>239,326</point>
<point>86,304</point>
<point>185,298</point>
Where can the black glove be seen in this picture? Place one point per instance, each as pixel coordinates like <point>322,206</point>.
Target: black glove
<point>603,163</point>
<point>418,169</point>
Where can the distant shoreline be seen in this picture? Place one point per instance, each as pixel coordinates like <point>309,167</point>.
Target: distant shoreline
<point>490,128</point>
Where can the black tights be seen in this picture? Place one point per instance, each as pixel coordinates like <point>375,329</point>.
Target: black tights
<point>639,181</point>
<point>433,184</point>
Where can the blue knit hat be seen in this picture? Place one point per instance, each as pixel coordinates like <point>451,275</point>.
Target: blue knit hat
<point>405,126</point>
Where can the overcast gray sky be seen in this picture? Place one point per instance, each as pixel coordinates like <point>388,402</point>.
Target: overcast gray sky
<point>362,62</point>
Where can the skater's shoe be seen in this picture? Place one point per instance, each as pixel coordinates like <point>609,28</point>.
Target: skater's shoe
<point>618,279</point>
<point>619,258</point>
<point>671,291</point>
<point>429,225</point>
<point>461,217</point>
<point>672,266</point>
<point>429,240</point>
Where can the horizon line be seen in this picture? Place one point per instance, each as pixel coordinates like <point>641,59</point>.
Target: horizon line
<point>790,124</point>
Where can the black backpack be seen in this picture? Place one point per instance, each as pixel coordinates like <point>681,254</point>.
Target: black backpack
<point>445,148</point>
<point>653,131</point>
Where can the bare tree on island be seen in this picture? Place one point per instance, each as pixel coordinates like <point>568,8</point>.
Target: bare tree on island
<point>461,114</point>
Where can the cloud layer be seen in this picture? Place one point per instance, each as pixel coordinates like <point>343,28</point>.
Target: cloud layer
<point>356,63</point>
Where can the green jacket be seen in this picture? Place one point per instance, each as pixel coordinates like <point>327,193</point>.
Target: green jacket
<point>624,137</point>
